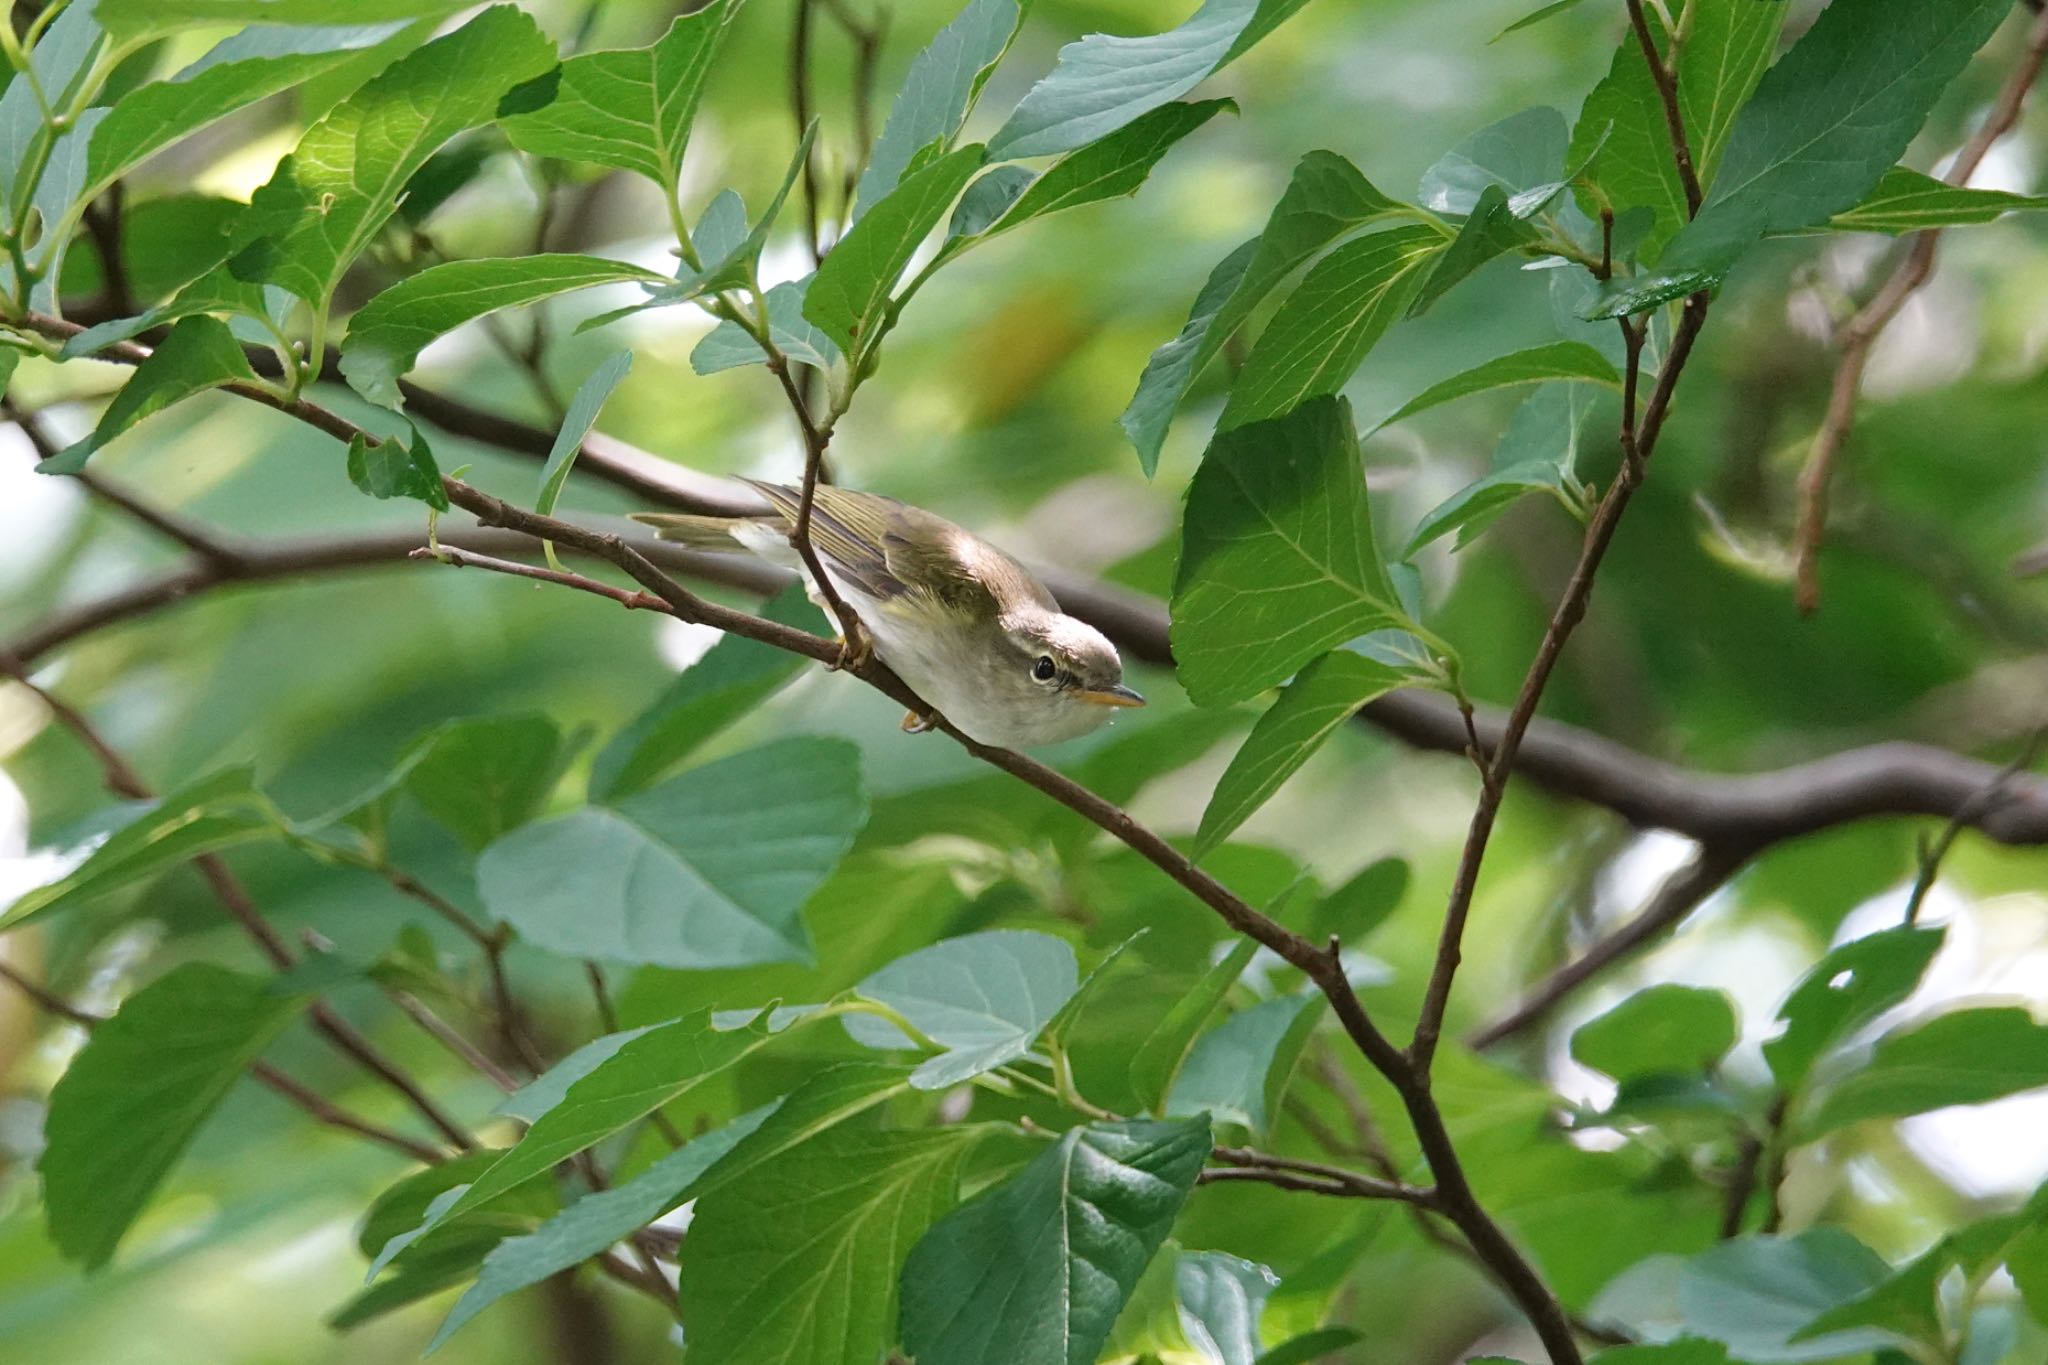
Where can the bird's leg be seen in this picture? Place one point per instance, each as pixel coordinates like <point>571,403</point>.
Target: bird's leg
<point>917,722</point>
<point>855,647</point>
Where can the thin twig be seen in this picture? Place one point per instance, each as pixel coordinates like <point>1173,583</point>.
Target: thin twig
<point>464,559</point>
<point>1346,1182</point>
<point>800,102</point>
<point>1932,853</point>
<point>317,1106</point>
<point>1664,74</point>
<point>1860,333</point>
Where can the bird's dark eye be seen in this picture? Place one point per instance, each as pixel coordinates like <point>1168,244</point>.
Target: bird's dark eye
<point>1044,669</point>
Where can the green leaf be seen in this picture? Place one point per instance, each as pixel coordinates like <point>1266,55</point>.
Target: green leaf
<point>391,468</point>
<point>2027,1263</point>
<point>130,19</point>
<point>577,422</point>
<point>1341,309</point>
<point>1521,157</point>
<point>1311,1347</point>
<point>595,1222</point>
<point>332,196</point>
<point>1754,1294</point>
<point>484,777</point>
<point>1622,133</point>
<point>985,998</point>
<point>1310,708</point>
<point>727,346</point>
<point>1661,1030</point>
<point>1910,201</point>
<point>734,676</point>
<point>444,1263</point>
<point>798,1261</point>
<point>1102,83</point>
<point>709,869</point>
<point>630,108</point>
<point>1237,1067</point>
<point>386,336</point>
<point>1967,1057</point>
<point>134,1097</point>
<point>62,60</point>
<point>647,1072</point>
<point>1157,1062</point>
<point>1535,17</point>
<point>1825,125</point>
<point>1325,198</point>
<point>849,296</point>
<point>213,813</point>
<point>938,90</point>
<point>828,1098</point>
<point>1909,1302</point>
<point>1362,904</point>
<point>238,72</point>
<point>1491,230</point>
<point>1277,559</point>
<point>1847,989</point>
<point>1537,454</point>
<point>1107,169</point>
<point>1035,1270</point>
<point>1560,360</point>
<point>1665,1353</point>
<point>199,354</point>
<point>1221,1298</point>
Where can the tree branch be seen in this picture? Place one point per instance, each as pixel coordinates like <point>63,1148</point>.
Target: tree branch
<point>1860,333</point>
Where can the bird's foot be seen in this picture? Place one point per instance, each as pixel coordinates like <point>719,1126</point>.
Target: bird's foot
<point>854,653</point>
<point>917,722</point>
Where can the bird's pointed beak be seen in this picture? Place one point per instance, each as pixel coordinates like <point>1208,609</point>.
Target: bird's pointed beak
<point>1117,695</point>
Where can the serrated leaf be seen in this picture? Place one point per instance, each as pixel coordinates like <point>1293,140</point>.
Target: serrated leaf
<point>1968,1057</point>
<point>1492,229</point>
<point>1109,168</point>
<point>985,998</point>
<point>734,676</point>
<point>136,1095</point>
<point>1911,201</point>
<point>1035,1270</point>
<point>1847,989</point>
<point>239,71</point>
<point>387,334</point>
<point>200,354</point>
<point>707,869</point>
<point>1622,133</point>
<point>727,346</point>
<point>1826,123</point>
<point>1338,312</point>
<point>798,1261</point>
<point>1102,83</point>
<point>630,108</point>
<point>1158,1060</point>
<point>215,812</point>
<point>938,90</point>
<point>1235,1068</point>
<point>1277,563</point>
<point>1560,360</point>
<point>1660,1030</point>
<point>1308,711</point>
<point>335,193</point>
<point>598,1220</point>
<point>849,296</point>
<point>1325,198</point>
<point>130,19</point>
<point>644,1074</point>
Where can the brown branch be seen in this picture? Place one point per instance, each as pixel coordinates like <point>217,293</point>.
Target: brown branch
<point>816,438</point>
<point>465,559</point>
<point>1933,852</point>
<point>800,106</point>
<point>1678,897</point>
<point>1860,333</point>
<point>122,779</point>
<point>317,1106</point>
<point>1344,1182</point>
<point>1664,74</point>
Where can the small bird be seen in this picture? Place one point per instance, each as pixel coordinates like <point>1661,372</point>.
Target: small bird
<point>971,630</point>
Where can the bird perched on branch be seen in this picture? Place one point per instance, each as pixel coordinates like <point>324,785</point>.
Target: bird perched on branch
<point>972,631</point>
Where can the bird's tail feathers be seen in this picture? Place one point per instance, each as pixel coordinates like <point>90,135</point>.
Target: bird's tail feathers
<point>699,532</point>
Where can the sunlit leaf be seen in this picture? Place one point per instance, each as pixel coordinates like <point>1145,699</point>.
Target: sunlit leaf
<point>985,998</point>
